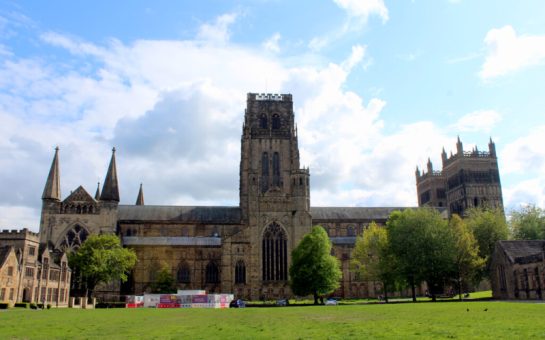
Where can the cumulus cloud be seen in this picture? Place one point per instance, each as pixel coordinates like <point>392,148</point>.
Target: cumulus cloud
<point>272,44</point>
<point>478,121</point>
<point>217,32</point>
<point>508,52</point>
<point>364,8</point>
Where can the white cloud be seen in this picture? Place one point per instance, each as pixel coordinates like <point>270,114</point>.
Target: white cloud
<point>218,32</point>
<point>272,44</point>
<point>478,121</point>
<point>509,52</point>
<point>364,8</point>
<point>525,154</point>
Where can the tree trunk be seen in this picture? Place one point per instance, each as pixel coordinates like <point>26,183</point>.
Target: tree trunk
<point>385,292</point>
<point>459,288</point>
<point>413,288</point>
<point>315,297</point>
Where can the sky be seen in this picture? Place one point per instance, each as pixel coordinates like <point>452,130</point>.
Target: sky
<point>378,87</point>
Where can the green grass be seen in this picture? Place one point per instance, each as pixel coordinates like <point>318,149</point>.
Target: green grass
<point>502,320</point>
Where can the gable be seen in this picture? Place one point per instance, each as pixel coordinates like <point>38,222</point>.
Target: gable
<point>80,195</point>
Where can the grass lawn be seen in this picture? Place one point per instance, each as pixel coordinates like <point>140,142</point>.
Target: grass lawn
<point>502,320</point>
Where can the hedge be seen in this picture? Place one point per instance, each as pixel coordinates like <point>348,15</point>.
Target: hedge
<point>4,305</point>
<point>21,304</point>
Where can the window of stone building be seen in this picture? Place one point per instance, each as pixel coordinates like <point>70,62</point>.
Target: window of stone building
<point>10,271</point>
<point>274,254</point>
<point>55,294</point>
<point>36,291</point>
<point>350,231</point>
<point>264,172</point>
<point>49,295</point>
<point>184,274</point>
<point>276,169</point>
<point>263,121</point>
<point>212,273</point>
<point>240,272</point>
<point>503,281</point>
<point>11,293</point>
<point>45,268</point>
<point>275,122</point>
<point>61,296</point>
<point>31,251</point>
<point>29,272</point>
<point>43,295</point>
<point>74,238</point>
<point>2,294</point>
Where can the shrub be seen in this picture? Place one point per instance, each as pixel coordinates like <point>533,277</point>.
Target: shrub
<point>40,305</point>
<point>4,305</point>
<point>21,304</point>
<point>48,306</point>
<point>33,306</point>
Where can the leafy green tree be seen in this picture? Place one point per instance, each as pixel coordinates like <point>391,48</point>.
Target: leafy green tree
<point>164,282</point>
<point>467,262</point>
<point>489,227</point>
<point>313,269</point>
<point>101,259</point>
<point>371,259</point>
<point>528,223</point>
<point>424,247</point>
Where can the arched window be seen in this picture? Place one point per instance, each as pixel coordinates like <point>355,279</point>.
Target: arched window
<point>264,172</point>
<point>212,273</point>
<point>240,272</point>
<point>276,169</point>
<point>275,122</point>
<point>275,254</point>
<point>74,238</point>
<point>263,121</point>
<point>183,275</point>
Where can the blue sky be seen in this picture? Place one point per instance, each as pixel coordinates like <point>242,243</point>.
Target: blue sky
<point>379,86</point>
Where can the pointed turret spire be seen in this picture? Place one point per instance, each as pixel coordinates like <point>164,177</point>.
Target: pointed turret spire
<point>444,157</point>
<point>459,147</point>
<point>492,148</point>
<point>97,193</point>
<point>430,166</point>
<point>110,190</point>
<point>140,198</point>
<point>417,172</point>
<point>52,188</point>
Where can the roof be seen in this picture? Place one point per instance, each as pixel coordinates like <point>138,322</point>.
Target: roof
<point>4,253</point>
<point>184,214</point>
<point>523,252</point>
<point>352,213</point>
<point>171,241</point>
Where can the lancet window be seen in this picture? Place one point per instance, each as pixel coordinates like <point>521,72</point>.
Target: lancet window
<point>74,238</point>
<point>240,272</point>
<point>212,273</point>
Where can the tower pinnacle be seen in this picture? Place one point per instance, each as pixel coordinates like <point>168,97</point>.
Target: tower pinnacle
<point>52,188</point>
<point>140,198</point>
<point>110,190</point>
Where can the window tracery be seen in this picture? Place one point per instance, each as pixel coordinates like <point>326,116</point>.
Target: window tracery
<point>74,238</point>
<point>275,255</point>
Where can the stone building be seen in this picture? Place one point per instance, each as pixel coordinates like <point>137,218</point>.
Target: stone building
<point>518,270</point>
<point>243,249</point>
<point>30,272</point>
<point>468,179</point>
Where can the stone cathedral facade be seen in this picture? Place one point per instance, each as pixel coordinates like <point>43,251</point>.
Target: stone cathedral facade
<point>242,249</point>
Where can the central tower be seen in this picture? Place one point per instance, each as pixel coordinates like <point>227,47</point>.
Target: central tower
<point>274,190</point>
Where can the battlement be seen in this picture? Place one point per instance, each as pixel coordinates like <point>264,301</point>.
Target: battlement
<point>269,97</point>
<point>18,234</point>
<point>475,154</point>
<point>425,175</point>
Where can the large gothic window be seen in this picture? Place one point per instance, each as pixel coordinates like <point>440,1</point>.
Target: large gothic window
<point>276,122</point>
<point>183,275</point>
<point>240,272</point>
<point>276,169</point>
<point>212,273</point>
<point>275,254</point>
<point>265,172</point>
<point>74,238</point>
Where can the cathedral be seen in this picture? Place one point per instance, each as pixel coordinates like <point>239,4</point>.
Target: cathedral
<point>242,249</point>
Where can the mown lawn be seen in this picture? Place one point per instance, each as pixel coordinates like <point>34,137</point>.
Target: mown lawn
<point>502,320</point>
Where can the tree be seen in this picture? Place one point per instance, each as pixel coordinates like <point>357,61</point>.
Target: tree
<point>423,246</point>
<point>488,227</point>
<point>313,270</point>
<point>467,262</point>
<point>528,223</point>
<point>101,259</point>
<point>164,282</point>
<point>371,259</point>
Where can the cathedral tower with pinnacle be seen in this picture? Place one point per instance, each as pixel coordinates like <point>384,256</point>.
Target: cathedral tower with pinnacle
<point>274,190</point>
